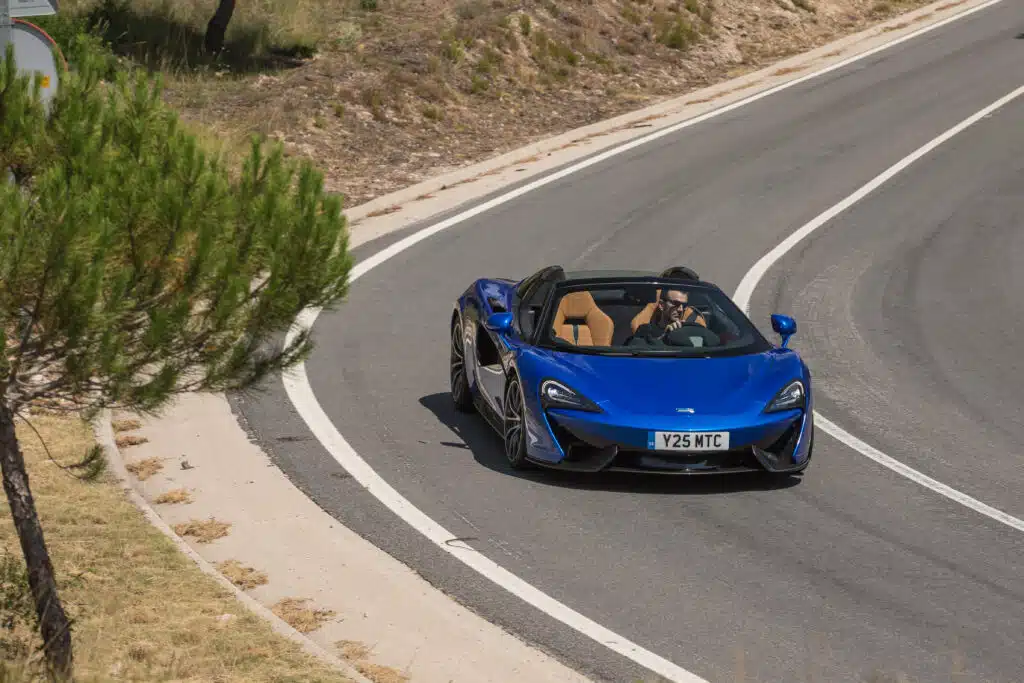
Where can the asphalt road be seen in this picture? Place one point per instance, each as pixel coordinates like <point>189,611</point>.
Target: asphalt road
<point>909,309</point>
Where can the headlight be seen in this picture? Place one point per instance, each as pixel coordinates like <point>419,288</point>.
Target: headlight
<point>554,394</point>
<point>791,396</point>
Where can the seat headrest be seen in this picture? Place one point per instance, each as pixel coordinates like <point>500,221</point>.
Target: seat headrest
<point>577,304</point>
<point>590,325</point>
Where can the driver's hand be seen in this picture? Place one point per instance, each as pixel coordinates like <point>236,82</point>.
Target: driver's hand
<point>674,325</point>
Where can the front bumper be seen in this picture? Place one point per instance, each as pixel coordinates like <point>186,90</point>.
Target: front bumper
<point>587,442</point>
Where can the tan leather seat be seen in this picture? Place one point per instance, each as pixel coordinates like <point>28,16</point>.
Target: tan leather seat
<point>643,317</point>
<point>579,321</point>
<point>645,314</point>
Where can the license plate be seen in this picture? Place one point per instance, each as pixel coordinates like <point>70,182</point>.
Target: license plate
<point>689,441</point>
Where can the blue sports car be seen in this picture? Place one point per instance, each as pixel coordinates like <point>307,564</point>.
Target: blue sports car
<point>629,371</point>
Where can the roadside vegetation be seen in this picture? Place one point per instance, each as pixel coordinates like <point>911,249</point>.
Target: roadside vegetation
<point>385,93</point>
<point>142,611</point>
<point>134,266</point>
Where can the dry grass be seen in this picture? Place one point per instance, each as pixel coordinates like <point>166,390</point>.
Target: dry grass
<point>174,497</point>
<point>358,654</point>
<point>169,35</point>
<point>353,649</point>
<point>240,575</point>
<point>299,616</point>
<point>405,89</point>
<point>144,469</point>
<point>378,673</point>
<point>129,440</point>
<point>204,531</point>
<point>125,425</point>
<point>143,610</point>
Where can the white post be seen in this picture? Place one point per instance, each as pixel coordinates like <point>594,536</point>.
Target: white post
<point>10,10</point>
<point>6,39</point>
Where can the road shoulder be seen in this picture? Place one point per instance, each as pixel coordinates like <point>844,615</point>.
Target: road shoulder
<point>379,613</point>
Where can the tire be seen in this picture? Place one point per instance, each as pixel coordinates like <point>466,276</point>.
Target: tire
<point>458,382</point>
<point>514,429</point>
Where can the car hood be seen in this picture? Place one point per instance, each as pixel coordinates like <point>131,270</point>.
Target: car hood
<point>669,386</point>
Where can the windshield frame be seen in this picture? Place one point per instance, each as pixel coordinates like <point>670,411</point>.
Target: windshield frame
<point>543,336</point>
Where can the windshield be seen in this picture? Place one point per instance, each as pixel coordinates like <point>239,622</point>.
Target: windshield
<point>650,319</point>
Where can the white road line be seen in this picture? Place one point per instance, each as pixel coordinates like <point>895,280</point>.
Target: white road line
<point>307,405</point>
<point>910,473</point>
<point>300,392</point>
<point>749,282</point>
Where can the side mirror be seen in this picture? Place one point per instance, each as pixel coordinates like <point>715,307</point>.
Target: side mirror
<point>784,326</point>
<point>499,322</point>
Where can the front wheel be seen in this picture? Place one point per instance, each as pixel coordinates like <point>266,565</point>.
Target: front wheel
<point>457,372</point>
<point>515,425</point>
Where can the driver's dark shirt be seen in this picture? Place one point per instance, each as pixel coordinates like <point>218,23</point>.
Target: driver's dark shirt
<point>653,333</point>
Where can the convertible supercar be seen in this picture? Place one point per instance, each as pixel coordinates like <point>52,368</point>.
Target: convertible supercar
<point>629,371</point>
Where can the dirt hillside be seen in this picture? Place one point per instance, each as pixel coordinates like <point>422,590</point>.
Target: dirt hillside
<point>385,93</point>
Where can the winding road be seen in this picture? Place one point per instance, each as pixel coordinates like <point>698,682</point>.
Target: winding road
<point>910,306</point>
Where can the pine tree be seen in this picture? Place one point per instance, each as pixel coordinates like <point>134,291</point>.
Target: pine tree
<point>134,266</point>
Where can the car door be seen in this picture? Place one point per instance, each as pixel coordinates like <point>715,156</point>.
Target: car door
<point>490,365</point>
<point>496,356</point>
<point>492,354</point>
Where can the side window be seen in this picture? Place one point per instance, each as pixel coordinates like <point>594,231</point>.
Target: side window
<point>530,307</point>
<point>724,323</point>
<point>530,297</point>
<point>518,299</point>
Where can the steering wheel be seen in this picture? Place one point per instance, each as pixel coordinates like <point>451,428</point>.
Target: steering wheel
<point>684,334</point>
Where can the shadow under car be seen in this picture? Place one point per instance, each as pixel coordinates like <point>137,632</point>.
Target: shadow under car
<point>487,449</point>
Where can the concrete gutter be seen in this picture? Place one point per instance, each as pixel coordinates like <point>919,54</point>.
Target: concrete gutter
<point>104,433</point>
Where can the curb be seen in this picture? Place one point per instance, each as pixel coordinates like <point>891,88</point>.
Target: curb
<point>104,431</point>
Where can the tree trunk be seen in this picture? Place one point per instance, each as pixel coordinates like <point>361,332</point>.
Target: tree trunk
<point>53,622</point>
<point>218,26</point>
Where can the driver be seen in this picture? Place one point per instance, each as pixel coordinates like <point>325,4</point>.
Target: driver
<point>670,313</point>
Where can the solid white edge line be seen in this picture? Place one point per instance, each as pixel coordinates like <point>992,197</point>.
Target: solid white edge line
<point>335,443</point>
<point>749,283</point>
<point>910,473</point>
<point>301,394</point>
